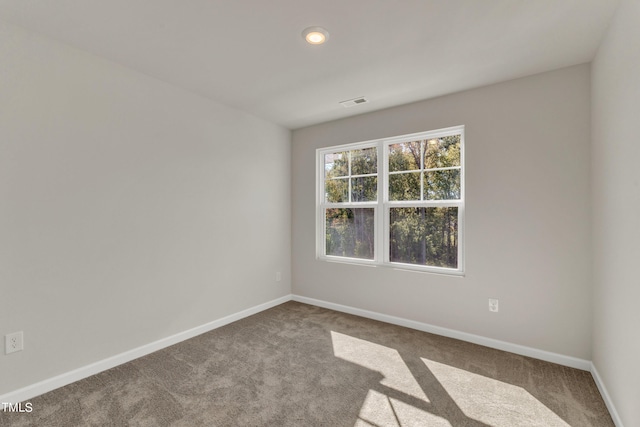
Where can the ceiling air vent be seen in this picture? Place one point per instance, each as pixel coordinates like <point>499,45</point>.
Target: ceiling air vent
<point>355,101</point>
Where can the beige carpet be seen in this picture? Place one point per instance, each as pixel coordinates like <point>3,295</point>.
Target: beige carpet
<point>300,365</point>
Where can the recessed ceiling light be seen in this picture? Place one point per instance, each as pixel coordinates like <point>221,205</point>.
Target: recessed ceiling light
<point>315,35</point>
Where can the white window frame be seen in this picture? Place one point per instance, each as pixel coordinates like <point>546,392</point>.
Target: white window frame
<point>383,205</point>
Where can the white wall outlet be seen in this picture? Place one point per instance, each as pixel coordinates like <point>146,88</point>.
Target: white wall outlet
<point>278,276</point>
<point>493,305</point>
<point>13,342</point>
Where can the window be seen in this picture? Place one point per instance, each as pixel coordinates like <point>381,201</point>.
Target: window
<point>396,201</point>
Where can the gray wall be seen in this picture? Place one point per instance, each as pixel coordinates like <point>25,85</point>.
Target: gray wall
<point>527,215</point>
<point>130,210</point>
<point>616,211</point>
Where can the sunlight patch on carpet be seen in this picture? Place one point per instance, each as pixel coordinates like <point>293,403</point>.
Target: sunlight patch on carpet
<point>379,358</point>
<point>493,402</point>
<point>381,410</point>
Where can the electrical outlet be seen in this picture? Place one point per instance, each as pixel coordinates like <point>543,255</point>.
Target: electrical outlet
<point>13,342</point>
<point>278,276</point>
<point>493,305</point>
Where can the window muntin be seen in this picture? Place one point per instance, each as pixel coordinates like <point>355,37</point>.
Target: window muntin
<point>351,176</point>
<point>428,169</point>
<point>396,202</point>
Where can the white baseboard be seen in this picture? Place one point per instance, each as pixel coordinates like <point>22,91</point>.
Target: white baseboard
<point>605,396</point>
<point>42,387</point>
<point>560,359</point>
<point>50,384</point>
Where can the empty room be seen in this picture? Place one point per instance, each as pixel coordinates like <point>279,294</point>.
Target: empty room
<point>338,213</point>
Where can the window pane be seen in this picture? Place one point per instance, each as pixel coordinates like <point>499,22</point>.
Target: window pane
<point>424,236</point>
<point>364,189</point>
<point>336,164</point>
<point>404,186</point>
<point>350,232</point>
<point>404,156</point>
<point>336,190</point>
<point>364,161</point>
<point>442,152</point>
<point>442,185</point>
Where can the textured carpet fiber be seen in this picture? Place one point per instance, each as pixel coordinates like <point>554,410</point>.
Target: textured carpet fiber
<point>300,365</point>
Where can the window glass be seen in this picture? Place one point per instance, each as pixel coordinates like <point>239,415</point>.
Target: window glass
<point>407,213</point>
<point>404,156</point>
<point>336,164</point>
<point>424,236</point>
<point>350,233</point>
<point>337,190</point>
<point>364,189</point>
<point>442,152</point>
<point>442,184</point>
<point>404,186</point>
<point>364,161</point>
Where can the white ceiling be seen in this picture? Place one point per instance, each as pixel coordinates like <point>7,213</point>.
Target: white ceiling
<point>250,54</point>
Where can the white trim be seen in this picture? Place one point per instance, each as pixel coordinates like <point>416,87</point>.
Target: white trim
<point>383,205</point>
<point>58,381</point>
<point>61,380</point>
<point>452,130</point>
<point>423,269</point>
<point>425,203</point>
<point>605,396</point>
<point>353,205</point>
<point>348,260</point>
<point>548,356</point>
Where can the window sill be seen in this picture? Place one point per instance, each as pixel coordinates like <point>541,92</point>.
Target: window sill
<point>394,266</point>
